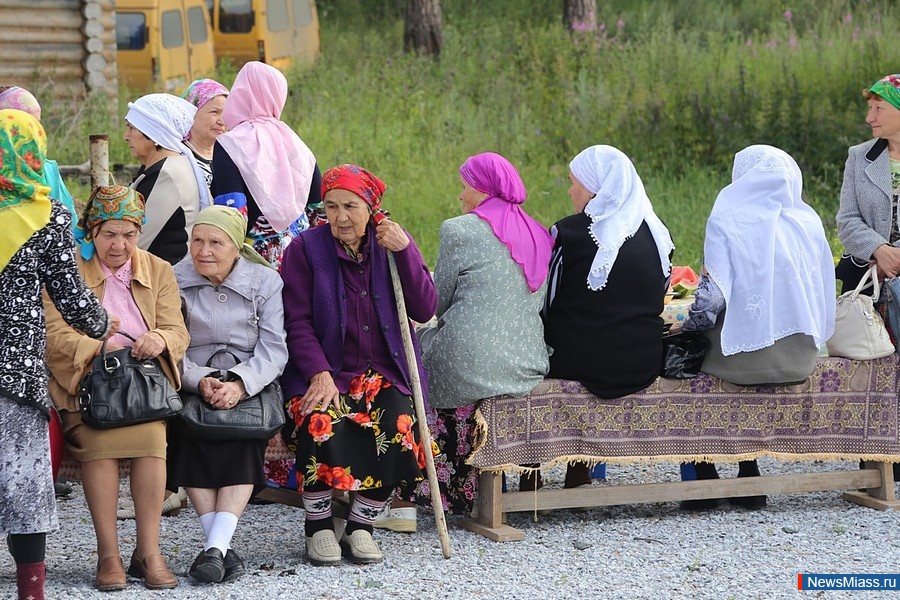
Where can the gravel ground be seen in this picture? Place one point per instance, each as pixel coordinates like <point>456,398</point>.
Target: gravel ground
<point>641,551</point>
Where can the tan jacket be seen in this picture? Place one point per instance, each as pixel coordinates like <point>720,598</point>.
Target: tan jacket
<point>70,354</point>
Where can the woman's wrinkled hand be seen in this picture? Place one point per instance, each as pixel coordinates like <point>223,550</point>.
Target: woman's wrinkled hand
<point>113,324</point>
<point>148,345</point>
<point>207,386</point>
<point>322,391</point>
<point>391,236</point>
<point>888,259</point>
<point>226,394</point>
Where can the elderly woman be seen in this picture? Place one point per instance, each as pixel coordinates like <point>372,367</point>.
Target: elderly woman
<point>760,235</point>
<point>347,378</point>
<point>608,278</point>
<point>867,220</point>
<point>142,289</point>
<point>18,98</point>
<point>35,253</point>
<point>231,299</point>
<point>263,164</point>
<point>171,182</point>
<point>209,97</point>
<point>490,277</point>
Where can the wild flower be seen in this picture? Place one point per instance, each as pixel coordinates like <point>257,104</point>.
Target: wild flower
<point>848,18</point>
<point>620,24</point>
<point>788,15</point>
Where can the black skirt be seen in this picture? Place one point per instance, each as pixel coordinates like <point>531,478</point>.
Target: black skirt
<point>214,464</point>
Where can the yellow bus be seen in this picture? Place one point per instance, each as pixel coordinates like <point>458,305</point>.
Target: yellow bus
<point>163,45</point>
<point>276,32</point>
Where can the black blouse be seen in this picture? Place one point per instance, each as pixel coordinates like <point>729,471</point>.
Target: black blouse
<point>610,339</point>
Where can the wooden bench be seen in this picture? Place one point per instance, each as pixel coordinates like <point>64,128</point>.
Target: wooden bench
<point>847,410</point>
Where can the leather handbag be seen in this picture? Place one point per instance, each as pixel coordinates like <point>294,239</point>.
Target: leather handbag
<point>122,390</point>
<point>256,417</point>
<point>859,332</point>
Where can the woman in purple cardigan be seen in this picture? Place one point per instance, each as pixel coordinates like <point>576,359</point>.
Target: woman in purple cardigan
<point>347,378</point>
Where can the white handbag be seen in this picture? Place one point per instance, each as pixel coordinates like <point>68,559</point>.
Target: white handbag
<point>859,332</point>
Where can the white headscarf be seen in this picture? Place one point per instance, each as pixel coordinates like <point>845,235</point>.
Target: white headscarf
<point>767,252</point>
<point>166,119</point>
<point>618,208</point>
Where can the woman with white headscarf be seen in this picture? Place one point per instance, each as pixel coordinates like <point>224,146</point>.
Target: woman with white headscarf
<point>608,278</point>
<point>766,258</point>
<point>171,182</point>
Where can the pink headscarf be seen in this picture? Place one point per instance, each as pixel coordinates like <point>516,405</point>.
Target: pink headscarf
<point>528,241</point>
<point>19,98</point>
<point>274,162</point>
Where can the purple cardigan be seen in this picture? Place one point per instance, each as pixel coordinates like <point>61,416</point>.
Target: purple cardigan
<point>321,336</point>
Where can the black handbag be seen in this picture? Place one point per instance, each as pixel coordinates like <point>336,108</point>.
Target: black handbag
<point>683,354</point>
<point>256,417</point>
<point>122,390</point>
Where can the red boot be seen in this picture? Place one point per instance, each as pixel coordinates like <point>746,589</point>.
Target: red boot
<point>30,581</point>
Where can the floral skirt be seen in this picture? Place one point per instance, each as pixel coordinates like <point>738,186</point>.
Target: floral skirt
<point>369,442</point>
<point>453,430</point>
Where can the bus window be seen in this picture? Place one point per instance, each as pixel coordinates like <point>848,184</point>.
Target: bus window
<point>172,29</point>
<point>302,13</point>
<point>131,31</point>
<point>197,25</point>
<point>236,16</point>
<point>276,15</point>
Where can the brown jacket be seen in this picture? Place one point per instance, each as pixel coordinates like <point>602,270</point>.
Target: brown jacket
<point>70,354</point>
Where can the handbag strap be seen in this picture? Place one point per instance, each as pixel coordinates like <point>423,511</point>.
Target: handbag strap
<point>110,366</point>
<point>872,274</point>
<point>237,361</point>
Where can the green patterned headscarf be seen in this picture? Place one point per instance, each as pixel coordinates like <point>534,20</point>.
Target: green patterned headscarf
<point>889,89</point>
<point>108,203</point>
<point>234,224</point>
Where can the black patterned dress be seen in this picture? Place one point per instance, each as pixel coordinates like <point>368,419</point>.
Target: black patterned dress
<point>47,259</point>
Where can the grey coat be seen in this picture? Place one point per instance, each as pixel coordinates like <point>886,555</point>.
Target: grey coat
<point>243,315</point>
<point>864,217</point>
<point>489,339</point>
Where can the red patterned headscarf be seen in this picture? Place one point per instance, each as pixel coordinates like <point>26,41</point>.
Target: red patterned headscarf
<point>354,178</point>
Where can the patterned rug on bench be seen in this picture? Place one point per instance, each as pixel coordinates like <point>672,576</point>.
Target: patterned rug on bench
<point>845,410</point>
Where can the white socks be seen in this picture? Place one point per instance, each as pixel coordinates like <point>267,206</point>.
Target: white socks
<point>221,530</point>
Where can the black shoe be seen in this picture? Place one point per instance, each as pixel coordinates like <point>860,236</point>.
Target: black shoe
<point>209,566</point>
<point>749,502</point>
<point>234,566</point>
<point>62,489</point>
<point>704,504</point>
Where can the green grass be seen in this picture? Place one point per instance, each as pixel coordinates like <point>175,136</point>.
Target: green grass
<point>681,86</point>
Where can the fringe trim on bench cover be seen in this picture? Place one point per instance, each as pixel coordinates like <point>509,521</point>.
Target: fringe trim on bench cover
<point>846,410</point>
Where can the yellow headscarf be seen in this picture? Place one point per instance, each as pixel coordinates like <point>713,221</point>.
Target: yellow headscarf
<point>24,197</point>
<point>234,224</point>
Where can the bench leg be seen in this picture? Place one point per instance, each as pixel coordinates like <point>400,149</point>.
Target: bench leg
<point>882,497</point>
<point>489,522</point>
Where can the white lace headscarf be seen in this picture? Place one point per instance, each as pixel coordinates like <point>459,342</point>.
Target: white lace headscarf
<point>618,208</point>
<point>767,252</point>
<point>166,119</point>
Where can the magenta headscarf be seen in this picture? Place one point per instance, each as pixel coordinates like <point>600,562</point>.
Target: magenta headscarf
<point>274,162</point>
<point>528,241</point>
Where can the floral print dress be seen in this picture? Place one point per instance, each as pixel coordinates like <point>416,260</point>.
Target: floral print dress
<point>368,442</point>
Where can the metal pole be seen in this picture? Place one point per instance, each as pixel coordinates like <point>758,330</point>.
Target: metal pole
<point>99,160</point>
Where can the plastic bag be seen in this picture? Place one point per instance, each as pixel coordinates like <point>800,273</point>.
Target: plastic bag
<point>683,354</point>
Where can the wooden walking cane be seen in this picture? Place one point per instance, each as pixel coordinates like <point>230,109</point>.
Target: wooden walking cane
<point>419,402</point>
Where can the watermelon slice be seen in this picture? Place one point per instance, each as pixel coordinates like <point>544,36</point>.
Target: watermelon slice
<point>684,281</point>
